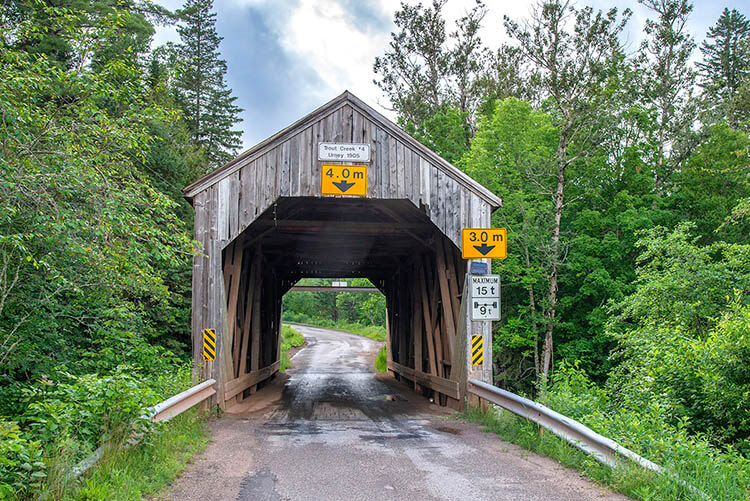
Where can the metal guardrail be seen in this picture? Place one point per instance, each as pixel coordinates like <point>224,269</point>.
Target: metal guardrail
<point>161,412</point>
<point>176,405</point>
<point>604,450</point>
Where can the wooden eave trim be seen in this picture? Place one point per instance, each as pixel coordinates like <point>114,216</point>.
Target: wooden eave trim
<point>332,106</point>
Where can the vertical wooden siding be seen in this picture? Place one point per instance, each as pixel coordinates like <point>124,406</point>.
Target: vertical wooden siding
<point>291,169</point>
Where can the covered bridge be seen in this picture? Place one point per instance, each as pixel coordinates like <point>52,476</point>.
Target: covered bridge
<point>392,214</point>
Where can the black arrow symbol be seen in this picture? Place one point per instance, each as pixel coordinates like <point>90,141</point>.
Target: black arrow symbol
<point>484,248</point>
<point>343,185</point>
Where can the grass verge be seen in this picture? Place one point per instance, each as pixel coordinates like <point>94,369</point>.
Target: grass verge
<point>381,363</point>
<point>148,468</point>
<point>290,338</point>
<point>632,481</point>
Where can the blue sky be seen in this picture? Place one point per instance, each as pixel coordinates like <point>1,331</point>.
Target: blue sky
<point>287,57</point>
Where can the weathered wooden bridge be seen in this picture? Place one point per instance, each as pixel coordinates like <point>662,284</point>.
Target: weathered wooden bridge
<point>284,210</point>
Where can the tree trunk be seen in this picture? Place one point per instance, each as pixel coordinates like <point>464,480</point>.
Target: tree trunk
<point>562,148</point>
<point>532,312</point>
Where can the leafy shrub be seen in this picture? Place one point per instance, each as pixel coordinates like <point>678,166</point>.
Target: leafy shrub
<point>647,429</point>
<point>22,469</point>
<point>91,409</point>
<point>290,338</point>
<point>682,336</point>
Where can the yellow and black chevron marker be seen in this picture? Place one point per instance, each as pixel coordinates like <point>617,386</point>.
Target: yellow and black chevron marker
<point>477,350</point>
<point>209,344</point>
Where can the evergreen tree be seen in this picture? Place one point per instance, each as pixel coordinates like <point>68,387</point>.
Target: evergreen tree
<point>207,102</point>
<point>726,58</point>
<point>667,86</point>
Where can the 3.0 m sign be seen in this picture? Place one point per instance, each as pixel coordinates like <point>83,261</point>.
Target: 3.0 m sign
<point>478,243</point>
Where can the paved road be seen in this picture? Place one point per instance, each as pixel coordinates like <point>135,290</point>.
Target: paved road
<point>330,429</point>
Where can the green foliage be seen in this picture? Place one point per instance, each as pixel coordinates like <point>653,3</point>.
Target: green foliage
<point>381,362</point>
<point>94,237</point>
<point>290,338</point>
<point>348,307</point>
<point>22,469</point>
<point>648,429</point>
<point>446,132</point>
<point>643,429</point>
<point>713,182</point>
<point>147,469</point>
<point>92,409</point>
<point>681,334</point>
<point>511,151</point>
<point>87,243</point>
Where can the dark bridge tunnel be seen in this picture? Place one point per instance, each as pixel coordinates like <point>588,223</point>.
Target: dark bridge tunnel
<point>389,242</point>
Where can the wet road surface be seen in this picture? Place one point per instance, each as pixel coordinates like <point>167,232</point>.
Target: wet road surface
<point>331,429</point>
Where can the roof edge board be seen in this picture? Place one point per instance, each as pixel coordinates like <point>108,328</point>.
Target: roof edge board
<point>338,102</point>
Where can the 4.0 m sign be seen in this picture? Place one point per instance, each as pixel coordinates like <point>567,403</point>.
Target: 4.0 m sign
<point>347,180</point>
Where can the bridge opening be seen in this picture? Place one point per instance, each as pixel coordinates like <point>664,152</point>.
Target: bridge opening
<point>283,211</point>
<point>389,242</point>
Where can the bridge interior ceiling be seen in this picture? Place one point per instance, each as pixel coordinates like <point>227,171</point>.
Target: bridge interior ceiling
<point>335,237</point>
<point>389,241</point>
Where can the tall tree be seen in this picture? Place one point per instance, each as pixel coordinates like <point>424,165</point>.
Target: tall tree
<point>211,112</point>
<point>129,40</point>
<point>667,85</point>
<point>726,59</point>
<point>512,153</point>
<point>426,69</point>
<point>575,51</point>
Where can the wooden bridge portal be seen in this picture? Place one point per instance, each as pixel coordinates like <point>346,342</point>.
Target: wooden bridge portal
<point>264,223</point>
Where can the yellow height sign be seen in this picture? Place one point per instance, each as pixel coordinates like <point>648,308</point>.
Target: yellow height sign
<point>477,350</point>
<point>478,243</point>
<point>350,180</point>
<point>209,344</point>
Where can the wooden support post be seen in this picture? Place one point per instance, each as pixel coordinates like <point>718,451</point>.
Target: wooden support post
<point>403,324</point>
<point>459,369</point>
<point>445,295</point>
<point>232,273</point>
<point>435,329</point>
<point>452,280</point>
<point>256,324</point>
<point>252,279</point>
<point>426,317</point>
<point>416,327</point>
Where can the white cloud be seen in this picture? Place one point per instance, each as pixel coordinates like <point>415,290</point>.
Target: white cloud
<point>338,40</point>
<point>336,45</point>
